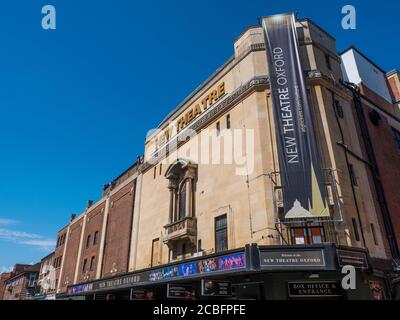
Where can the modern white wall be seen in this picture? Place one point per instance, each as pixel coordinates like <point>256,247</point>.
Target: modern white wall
<point>357,69</point>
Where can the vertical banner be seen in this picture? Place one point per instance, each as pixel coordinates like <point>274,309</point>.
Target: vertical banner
<point>302,180</point>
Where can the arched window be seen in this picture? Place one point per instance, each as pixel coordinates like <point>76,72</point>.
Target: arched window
<point>182,176</point>
<point>95,238</point>
<point>88,241</point>
<point>92,260</point>
<point>182,200</point>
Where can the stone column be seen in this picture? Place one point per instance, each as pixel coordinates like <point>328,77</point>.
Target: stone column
<point>103,238</point>
<point>171,205</point>
<point>188,211</point>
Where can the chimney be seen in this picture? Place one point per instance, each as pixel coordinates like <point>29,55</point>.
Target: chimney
<point>89,203</point>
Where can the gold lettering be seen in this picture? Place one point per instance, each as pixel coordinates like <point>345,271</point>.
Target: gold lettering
<point>193,112</point>
<point>190,115</point>
<point>204,102</point>
<point>221,90</point>
<point>197,110</point>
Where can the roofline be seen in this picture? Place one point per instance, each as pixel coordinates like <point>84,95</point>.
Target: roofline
<point>391,72</point>
<point>22,273</point>
<point>319,27</point>
<point>45,257</point>
<point>195,91</point>
<point>126,170</point>
<point>364,56</point>
<point>253,26</point>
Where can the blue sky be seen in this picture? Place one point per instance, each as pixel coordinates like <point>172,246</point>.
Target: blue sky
<point>76,102</point>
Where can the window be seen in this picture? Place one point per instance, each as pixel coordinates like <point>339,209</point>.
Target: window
<point>299,236</point>
<point>374,234</point>
<point>155,172</point>
<point>228,121</point>
<point>307,235</point>
<point>160,169</point>
<point>353,178</point>
<point>155,252</point>
<point>355,228</point>
<point>84,266</point>
<point>317,234</point>
<point>221,234</point>
<point>182,201</point>
<point>328,61</point>
<point>218,126</point>
<point>181,175</point>
<point>32,279</point>
<point>88,241</point>
<point>95,238</point>
<point>92,260</point>
<point>396,137</point>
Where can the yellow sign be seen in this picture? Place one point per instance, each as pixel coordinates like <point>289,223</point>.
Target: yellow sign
<point>212,97</point>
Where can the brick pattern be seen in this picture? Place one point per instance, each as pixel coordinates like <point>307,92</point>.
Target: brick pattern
<point>388,160</point>
<point>71,255</point>
<point>117,238</point>
<point>94,223</point>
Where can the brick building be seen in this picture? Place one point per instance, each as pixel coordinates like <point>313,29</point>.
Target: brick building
<point>23,284</point>
<point>3,277</point>
<point>173,218</point>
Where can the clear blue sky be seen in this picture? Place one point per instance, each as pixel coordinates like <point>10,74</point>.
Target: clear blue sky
<point>76,102</point>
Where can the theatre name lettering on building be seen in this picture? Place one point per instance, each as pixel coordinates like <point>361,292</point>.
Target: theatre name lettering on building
<point>192,113</point>
<point>212,97</point>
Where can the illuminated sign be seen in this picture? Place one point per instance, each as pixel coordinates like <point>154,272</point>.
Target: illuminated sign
<point>225,263</point>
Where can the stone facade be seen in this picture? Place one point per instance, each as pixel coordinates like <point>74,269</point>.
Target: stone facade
<point>167,205</point>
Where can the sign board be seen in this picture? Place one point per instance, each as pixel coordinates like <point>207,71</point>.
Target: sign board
<point>313,289</point>
<point>292,259</point>
<point>181,291</point>
<point>216,288</point>
<point>357,259</point>
<point>142,294</point>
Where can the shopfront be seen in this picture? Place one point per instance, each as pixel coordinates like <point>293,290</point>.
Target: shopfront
<point>253,272</point>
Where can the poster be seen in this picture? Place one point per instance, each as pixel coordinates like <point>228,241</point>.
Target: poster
<point>304,194</point>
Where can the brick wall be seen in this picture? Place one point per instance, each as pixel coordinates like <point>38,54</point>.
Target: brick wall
<point>94,223</point>
<point>71,254</point>
<point>118,231</point>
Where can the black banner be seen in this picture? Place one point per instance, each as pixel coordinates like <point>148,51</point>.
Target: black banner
<point>304,193</point>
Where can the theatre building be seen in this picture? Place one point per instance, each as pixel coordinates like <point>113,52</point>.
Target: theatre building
<point>262,184</point>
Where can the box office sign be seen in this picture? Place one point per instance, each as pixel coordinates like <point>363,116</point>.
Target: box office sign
<point>304,194</point>
<point>292,259</point>
<point>314,289</point>
<point>216,288</point>
<point>357,259</point>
